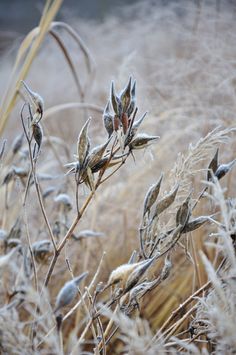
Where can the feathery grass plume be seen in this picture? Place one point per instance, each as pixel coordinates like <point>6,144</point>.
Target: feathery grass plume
<point>68,292</point>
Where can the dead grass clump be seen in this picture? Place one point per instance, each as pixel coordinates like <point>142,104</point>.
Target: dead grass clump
<point>111,243</point>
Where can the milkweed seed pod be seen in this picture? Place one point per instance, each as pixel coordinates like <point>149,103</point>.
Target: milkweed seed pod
<point>108,120</point>
<point>88,234</point>
<point>68,292</point>
<point>97,153</point>
<point>133,100</point>
<point>125,96</point>
<point>64,200</point>
<point>166,201</point>
<point>142,140</point>
<point>123,273</point>
<point>223,169</point>
<point>37,134</point>
<point>42,251</point>
<point>183,213</point>
<point>37,102</point>
<point>17,143</point>
<point>83,144</point>
<point>152,195</point>
<point>213,165</point>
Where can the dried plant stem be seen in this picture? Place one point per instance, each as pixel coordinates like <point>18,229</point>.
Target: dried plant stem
<point>180,309</point>
<point>65,239</point>
<point>75,307</point>
<point>169,332</point>
<point>37,187</point>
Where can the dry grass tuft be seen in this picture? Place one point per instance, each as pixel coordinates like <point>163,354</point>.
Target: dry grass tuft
<point>118,225</point>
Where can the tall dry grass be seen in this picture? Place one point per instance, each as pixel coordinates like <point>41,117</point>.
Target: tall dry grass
<point>183,58</point>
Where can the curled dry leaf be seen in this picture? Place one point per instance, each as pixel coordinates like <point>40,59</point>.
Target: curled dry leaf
<point>68,292</point>
<point>151,196</point>
<point>166,201</point>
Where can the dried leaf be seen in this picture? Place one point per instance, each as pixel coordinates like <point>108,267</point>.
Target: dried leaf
<point>213,165</point>
<point>133,257</point>
<point>68,292</point>
<point>166,201</point>
<point>83,144</point>
<point>151,196</point>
